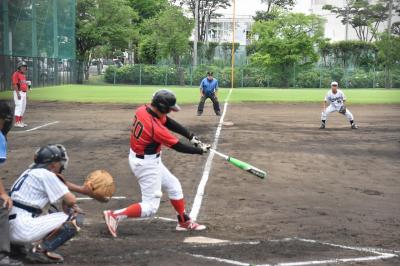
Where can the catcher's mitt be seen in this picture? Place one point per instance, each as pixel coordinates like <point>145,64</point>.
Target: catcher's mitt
<point>101,184</point>
<point>342,109</point>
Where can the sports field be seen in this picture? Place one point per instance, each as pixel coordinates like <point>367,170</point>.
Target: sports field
<point>331,196</point>
<point>141,94</point>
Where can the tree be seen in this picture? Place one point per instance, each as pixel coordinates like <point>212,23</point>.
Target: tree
<point>207,10</point>
<point>363,16</point>
<point>171,30</point>
<point>102,22</point>
<point>286,41</point>
<point>388,54</point>
<point>148,8</point>
<point>272,6</point>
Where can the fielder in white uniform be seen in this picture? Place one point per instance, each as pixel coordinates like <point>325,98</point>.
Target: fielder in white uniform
<point>336,100</point>
<point>32,193</point>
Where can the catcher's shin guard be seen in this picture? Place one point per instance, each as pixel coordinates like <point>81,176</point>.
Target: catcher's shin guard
<point>64,233</point>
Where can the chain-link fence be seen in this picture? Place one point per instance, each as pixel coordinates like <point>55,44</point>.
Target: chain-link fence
<point>41,71</point>
<point>42,33</point>
<point>250,76</point>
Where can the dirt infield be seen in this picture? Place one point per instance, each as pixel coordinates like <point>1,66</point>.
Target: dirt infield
<point>336,185</point>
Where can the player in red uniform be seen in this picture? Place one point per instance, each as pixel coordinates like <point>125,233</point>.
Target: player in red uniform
<point>20,86</point>
<point>149,132</point>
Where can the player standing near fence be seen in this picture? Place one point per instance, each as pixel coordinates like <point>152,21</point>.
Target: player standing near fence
<point>337,103</point>
<point>209,89</point>
<point>20,86</point>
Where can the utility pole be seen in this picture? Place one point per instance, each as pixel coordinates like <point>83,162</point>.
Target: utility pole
<point>196,32</point>
<point>347,21</point>
<point>388,83</point>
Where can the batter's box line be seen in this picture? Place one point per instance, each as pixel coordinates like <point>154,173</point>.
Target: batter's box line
<point>380,254</point>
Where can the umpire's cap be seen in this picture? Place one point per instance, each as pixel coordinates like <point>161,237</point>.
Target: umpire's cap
<point>21,64</point>
<point>165,101</point>
<point>49,154</point>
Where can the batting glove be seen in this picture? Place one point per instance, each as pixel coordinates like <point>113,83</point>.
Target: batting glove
<point>204,147</point>
<point>195,141</point>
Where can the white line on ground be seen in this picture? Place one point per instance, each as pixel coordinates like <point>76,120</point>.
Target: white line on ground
<point>380,254</point>
<point>99,221</point>
<point>88,198</point>
<point>206,173</point>
<point>45,125</point>
<point>233,262</point>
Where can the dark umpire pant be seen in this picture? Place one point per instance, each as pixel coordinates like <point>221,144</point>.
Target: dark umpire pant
<point>4,231</point>
<point>214,99</point>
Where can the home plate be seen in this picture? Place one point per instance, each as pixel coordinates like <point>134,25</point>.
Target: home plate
<point>228,123</point>
<point>203,240</point>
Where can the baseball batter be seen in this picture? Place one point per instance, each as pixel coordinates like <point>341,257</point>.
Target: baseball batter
<point>150,130</point>
<point>20,86</point>
<point>336,100</point>
<point>32,193</point>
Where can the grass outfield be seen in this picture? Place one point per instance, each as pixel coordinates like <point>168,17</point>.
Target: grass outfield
<point>142,94</point>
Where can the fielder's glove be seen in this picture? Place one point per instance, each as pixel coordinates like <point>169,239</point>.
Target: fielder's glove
<point>342,109</point>
<point>101,185</point>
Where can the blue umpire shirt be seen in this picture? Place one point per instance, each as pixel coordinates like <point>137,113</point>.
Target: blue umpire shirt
<point>209,87</point>
<point>3,148</point>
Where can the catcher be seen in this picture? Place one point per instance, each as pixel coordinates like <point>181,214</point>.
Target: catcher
<point>337,100</point>
<point>31,222</point>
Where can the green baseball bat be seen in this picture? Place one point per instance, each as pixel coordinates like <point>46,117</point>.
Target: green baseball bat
<point>242,165</point>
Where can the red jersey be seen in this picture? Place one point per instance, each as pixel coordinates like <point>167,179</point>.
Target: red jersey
<point>149,132</point>
<point>19,80</point>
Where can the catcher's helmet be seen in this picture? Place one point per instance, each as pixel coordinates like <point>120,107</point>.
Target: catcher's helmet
<point>6,114</point>
<point>165,101</point>
<point>21,64</point>
<point>49,154</point>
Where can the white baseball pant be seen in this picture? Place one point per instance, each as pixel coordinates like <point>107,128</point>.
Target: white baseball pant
<point>153,177</point>
<point>20,104</point>
<point>331,108</point>
<point>27,229</point>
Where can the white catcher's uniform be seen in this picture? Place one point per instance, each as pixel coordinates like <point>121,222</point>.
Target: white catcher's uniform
<point>335,102</point>
<point>36,188</point>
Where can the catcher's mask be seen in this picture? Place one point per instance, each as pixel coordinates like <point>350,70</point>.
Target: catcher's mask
<point>21,64</point>
<point>165,101</point>
<point>49,154</point>
<point>6,114</point>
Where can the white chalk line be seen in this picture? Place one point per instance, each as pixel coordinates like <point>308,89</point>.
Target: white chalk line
<point>380,254</point>
<point>88,198</point>
<point>38,127</point>
<point>206,173</point>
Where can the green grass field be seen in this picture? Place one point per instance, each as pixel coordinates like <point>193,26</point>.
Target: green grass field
<point>142,94</point>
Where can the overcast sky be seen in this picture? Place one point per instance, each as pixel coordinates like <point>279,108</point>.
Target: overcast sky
<point>249,7</point>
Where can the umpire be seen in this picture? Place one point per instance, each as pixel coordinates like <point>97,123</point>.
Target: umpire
<point>6,117</point>
<point>209,89</point>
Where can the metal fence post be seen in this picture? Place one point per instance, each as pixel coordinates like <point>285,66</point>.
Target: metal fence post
<point>294,75</point>
<point>242,70</point>
<point>191,75</point>
<point>166,76</point>
<point>320,77</point>
<point>140,74</point>
<point>115,73</point>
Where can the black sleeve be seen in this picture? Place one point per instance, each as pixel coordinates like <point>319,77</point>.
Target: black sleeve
<point>180,147</point>
<point>178,128</point>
